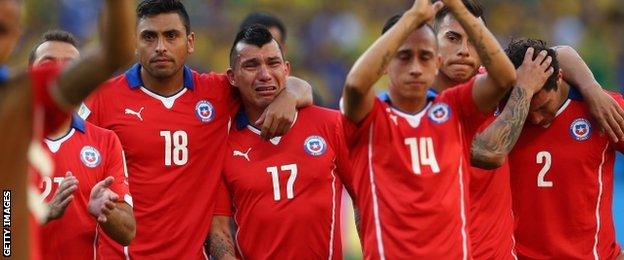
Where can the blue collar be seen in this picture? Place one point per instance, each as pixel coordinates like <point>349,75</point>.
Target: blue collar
<point>133,76</point>
<point>4,74</point>
<point>241,119</point>
<point>385,96</point>
<point>574,94</point>
<point>78,123</point>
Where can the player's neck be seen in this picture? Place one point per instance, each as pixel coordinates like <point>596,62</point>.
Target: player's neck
<point>163,86</point>
<point>442,82</point>
<point>563,89</point>
<point>253,113</point>
<point>62,130</point>
<point>408,105</point>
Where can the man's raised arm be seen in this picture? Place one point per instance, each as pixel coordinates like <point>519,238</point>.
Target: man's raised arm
<point>114,53</point>
<point>490,88</point>
<point>358,96</point>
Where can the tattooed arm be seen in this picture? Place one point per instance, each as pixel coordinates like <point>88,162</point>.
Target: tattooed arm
<point>489,88</point>
<point>358,95</point>
<point>220,242</point>
<point>490,147</point>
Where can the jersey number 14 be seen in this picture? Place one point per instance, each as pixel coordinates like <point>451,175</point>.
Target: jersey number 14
<point>421,152</point>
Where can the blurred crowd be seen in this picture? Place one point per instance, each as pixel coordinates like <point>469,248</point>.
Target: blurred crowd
<point>325,36</point>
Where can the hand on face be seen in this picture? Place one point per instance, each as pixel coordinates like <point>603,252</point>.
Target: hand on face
<point>533,73</point>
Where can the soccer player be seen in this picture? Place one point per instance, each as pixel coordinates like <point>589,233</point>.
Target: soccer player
<point>89,164</point>
<point>407,151</point>
<point>34,104</point>
<point>490,219</point>
<point>173,125</point>
<point>289,185</point>
<point>561,166</point>
<point>274,24</point>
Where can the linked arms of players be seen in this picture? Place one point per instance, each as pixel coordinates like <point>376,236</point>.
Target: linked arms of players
<point>115,52</point>
<point>220,243</point>
<point>278,117</point>
<point>490,147</point>
<point>601,105</point>
<point>358,95</point>
<point>115,218</point>
<point>489,88</point>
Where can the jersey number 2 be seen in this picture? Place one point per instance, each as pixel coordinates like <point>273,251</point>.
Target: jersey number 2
<point>290,185</point>
<point>175,147</point>
<point>545,158</point>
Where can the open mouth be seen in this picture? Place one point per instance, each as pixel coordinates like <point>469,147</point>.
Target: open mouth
<point>266,91</point>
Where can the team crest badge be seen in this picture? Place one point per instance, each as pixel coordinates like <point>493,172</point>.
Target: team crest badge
<point>439,113</point>
<point>580,129</point>
<point>204,111</point>
<point>90,156</point>
<point>315,145</point>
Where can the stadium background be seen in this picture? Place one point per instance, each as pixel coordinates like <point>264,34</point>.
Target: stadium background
<point>325,36</point>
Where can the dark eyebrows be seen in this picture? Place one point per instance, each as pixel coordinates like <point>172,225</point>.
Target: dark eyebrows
<point>252,61</point>
<point>148,31</point>
<point>453,33</point>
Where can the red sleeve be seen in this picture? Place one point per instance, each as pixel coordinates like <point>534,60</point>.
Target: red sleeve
<point>461,100</point>
<point>116,167</point>
<point>620,99</point>
<point>343,166</point>
<point>355,133</point>
<point>224,201</point>
<point>43,79</point>
<point>221,81</point>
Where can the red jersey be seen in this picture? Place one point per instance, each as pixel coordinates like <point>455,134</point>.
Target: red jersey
<point>174,152</point>
<point>47,116</point>
<point>289,185</point>
<point>409,178</point>
<point>490,219</point>
<point>91,154</point>
<point>562,186</point>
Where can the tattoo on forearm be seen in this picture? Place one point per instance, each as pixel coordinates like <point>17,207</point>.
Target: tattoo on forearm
<point>220,246</point>
<point>501,136</point>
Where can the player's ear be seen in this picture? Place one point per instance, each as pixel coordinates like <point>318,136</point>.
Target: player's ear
<point>287,68</point>
<point>190,42</point>
<point>230,76</point>
<point>438,62</point>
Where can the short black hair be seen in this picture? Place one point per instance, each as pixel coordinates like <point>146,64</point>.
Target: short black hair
<point>394,19</point>
<point>155,7</point>
<point>473,6</point>
<point>52,36</point>
<point>255,34</point>
<point>265,19</point>
<point>517,49</point>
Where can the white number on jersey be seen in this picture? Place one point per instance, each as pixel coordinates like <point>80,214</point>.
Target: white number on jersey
<point>46,184</point>
<point>422,154</point>
<point>545,158</point>
<point>175,147</point>
<point>290,192</point>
